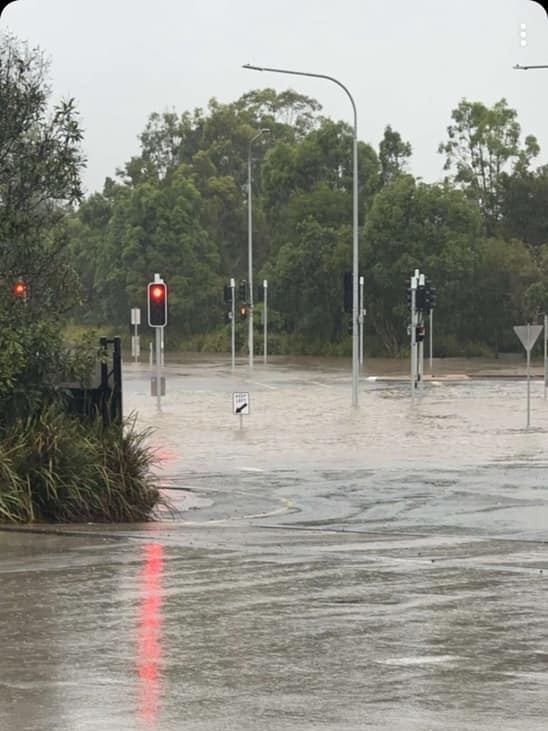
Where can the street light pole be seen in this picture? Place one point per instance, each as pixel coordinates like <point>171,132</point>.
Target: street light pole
<point>355,334</point>
<point>250,242</point>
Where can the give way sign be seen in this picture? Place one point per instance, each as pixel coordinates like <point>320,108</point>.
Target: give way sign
<point>528,334</point>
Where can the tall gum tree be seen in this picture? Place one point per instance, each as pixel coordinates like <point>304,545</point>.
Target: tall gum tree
<point>483,147</point>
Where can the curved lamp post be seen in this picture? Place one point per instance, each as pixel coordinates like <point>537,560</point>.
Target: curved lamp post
<point>250,241</point>
<point>355,334</point>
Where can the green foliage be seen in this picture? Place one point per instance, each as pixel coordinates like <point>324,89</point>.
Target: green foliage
<point>484,147</point>
<point>393,155</point>
<point>430,227</point>
<point>40,164</point>
<point>180,207</point>
<point>525,209</point>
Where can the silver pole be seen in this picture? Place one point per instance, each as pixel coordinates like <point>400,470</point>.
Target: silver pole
<point>265,317</point>
<point>250,242</point>
<point>420,369</point>
<point>250,257</point>
<point>528,376</point>
<point>545,352</point>
<point>355,334</point>
<point>233,321</point>
<point>158,367</point>
<point>431,338</point>
<point>361,321</point>
<point>413,335</point>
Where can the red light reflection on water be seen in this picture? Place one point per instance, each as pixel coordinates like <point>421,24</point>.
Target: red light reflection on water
<point>149,632</point>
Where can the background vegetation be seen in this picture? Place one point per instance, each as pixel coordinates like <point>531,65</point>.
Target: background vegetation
<point>179,207</point>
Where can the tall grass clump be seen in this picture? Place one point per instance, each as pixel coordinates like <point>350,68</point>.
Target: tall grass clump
<point>53,468</point>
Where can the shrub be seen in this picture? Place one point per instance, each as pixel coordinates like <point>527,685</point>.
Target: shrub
<point>55,469</point>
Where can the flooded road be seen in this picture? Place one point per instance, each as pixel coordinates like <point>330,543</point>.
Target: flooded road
<point>327,568</point>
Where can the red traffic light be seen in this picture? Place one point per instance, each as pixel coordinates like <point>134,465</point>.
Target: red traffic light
<point>158,292</point>
<point>20,289</point>
<point>243,312</point>
<point>157,304</point>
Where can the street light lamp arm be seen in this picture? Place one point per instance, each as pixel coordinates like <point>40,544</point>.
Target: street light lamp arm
<point>316,76</point>
<point>526,68</point>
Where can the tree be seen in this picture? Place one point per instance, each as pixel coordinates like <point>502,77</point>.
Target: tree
<point>308,275</point>
<point>123,237</point>
<point>393,155</point>
<point>524,209</point>
<point>430,227</point>
<point>40,165</point>
<point>505,282</point>
<point>483,147</point>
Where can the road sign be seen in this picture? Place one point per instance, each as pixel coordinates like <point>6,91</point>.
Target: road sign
<point>135,315</point>
<point>240,403</point>
<point>528,334</point>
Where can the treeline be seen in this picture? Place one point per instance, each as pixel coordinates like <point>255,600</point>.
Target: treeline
<point>179,207</point>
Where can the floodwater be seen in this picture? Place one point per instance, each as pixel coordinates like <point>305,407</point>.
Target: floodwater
<point>324,568</point>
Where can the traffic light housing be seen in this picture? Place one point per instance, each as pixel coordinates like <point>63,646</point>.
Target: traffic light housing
<point>408,297</point>
<point>242,290</point>
<point>420,333</point>
<point>432,297</point>
<point>157,304</point>
<point>420,298</point>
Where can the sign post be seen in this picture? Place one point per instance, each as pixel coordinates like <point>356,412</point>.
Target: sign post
<point>240,405</point>
<point>135,342</point>
<point>528,335</point>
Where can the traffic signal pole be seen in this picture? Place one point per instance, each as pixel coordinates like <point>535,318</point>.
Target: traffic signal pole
<point>233,320</point>
<point>431,339</point>
<point>420,369</point>
<point>360,320</point>
<point>413,332</point>
<point>158,368</point>
<point>265,318</point>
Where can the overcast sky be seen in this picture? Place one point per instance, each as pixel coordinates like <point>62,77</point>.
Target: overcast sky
<point>407,64</point>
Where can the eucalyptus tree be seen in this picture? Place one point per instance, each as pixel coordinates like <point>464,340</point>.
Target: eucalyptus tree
<point>482,148</point>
